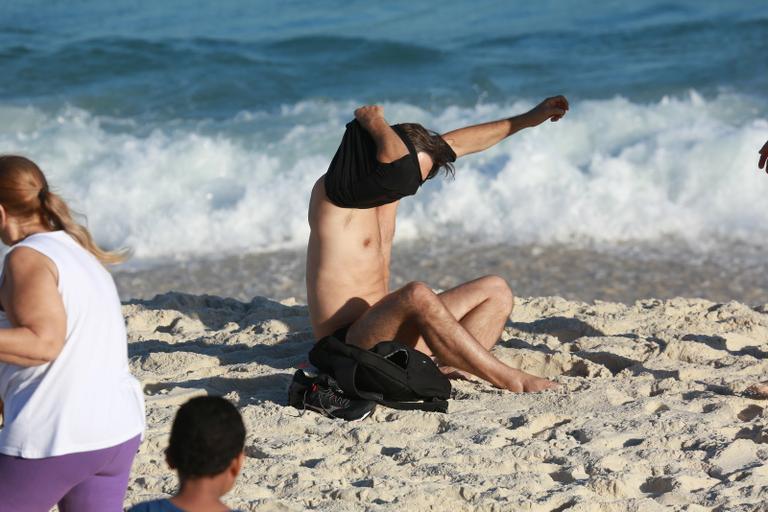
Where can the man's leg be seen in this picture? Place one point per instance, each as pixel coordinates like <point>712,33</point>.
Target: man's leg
<point>482,306</point>
<point>415,313</point>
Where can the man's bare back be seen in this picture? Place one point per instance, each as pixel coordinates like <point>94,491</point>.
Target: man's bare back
<point>348,261</point>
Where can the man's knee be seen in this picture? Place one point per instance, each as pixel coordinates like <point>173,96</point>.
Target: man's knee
<point>500,292</point>
<point>417,294</point>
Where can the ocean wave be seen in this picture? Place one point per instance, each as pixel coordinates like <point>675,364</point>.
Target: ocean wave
<point>611,171</point>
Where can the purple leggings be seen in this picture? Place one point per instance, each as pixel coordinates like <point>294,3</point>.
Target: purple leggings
<point>93,481</point>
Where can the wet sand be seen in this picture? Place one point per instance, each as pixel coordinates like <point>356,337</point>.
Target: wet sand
<point>617,274</point>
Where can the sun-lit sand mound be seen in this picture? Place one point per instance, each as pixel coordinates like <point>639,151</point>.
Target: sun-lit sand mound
<point>651,413</point>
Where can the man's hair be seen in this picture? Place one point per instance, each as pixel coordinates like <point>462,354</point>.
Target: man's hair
<point>432,144</point>
<point>207,434</point>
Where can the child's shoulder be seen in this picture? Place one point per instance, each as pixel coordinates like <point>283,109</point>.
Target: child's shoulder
<point>162,505</point>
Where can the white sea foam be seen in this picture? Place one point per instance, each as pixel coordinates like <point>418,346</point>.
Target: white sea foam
<point>611,171</point>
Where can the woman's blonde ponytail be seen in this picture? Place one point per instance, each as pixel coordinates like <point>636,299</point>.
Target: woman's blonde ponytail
<point>59,216</point>
<point>24,191</point>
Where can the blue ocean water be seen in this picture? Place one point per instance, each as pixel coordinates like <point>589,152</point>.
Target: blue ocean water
<point>186,128</point>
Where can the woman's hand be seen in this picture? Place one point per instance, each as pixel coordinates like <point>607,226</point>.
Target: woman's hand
<point>552,108</point>
<point>763,157</point>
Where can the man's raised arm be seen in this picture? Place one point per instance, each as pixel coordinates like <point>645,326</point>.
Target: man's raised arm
<point>389,145</point>
<point>472,139</point>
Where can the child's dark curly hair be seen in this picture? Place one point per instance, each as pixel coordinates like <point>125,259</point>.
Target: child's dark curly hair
<point>207,434</point>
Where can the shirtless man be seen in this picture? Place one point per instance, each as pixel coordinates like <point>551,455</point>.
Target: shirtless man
<point>349,253</point>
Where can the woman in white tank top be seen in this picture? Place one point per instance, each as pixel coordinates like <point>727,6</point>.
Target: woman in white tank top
<point>73,413</point>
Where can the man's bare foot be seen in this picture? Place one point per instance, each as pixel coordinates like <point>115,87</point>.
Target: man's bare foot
<point>759,391</point>
<point>538,384</point>
<point>523,382</point>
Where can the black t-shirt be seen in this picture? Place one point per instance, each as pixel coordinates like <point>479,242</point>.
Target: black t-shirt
<point>356,179</point>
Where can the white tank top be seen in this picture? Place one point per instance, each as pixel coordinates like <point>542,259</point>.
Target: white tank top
<point>86,399</point>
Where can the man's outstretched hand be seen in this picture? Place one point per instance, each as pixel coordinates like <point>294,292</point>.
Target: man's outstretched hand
<point>552,108</point>
<point>763,158</point>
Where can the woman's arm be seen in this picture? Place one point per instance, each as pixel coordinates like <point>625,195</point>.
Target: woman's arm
<point>389,145</point>
<point>30,297</point>
<point>482,136</point>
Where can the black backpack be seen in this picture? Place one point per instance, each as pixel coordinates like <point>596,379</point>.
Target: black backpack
<point>392,374</point>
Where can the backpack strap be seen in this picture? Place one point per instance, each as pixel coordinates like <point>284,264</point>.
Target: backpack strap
<point>345,371</point>
<point>435,405</point>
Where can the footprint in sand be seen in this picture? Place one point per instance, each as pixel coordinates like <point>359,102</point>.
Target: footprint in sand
<point>552,365</point>
<point>755,433</point>
<point>655,407</point>
<point>738,456</point>
<point>163,395</point>
<point>615,352</point>
<point>658,485</point>
<point>750,413</point>
<point>527,427</point>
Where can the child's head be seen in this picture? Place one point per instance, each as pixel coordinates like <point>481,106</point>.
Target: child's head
<point>207,440</point>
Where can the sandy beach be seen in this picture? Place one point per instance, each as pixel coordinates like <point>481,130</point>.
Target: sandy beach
<point>633,232</point>
<point>651,413</point>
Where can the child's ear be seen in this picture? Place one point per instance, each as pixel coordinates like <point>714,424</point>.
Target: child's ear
<point>237,464</point>
<point>2,216</point>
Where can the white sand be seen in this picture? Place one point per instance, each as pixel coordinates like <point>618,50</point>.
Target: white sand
<point>651,414</point>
